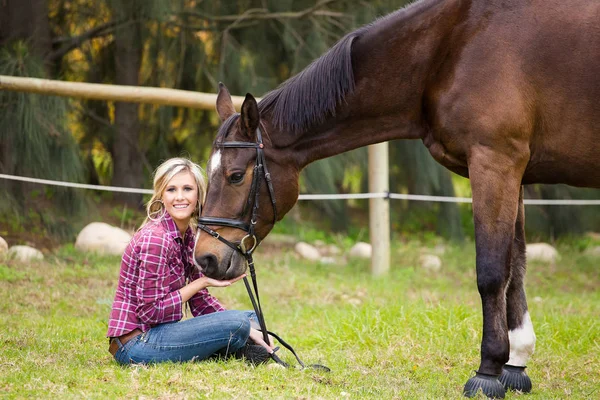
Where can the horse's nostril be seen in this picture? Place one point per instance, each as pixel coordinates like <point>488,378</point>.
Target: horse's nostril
<point>208,264</point>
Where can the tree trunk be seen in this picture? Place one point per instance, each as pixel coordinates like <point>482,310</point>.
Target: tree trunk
<point>127,161</point>
<point>26,20</point>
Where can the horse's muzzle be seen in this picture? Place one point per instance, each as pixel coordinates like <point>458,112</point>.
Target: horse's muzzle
<point>231,266</point>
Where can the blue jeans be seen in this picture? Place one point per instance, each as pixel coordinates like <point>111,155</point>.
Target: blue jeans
<point>198,338</point>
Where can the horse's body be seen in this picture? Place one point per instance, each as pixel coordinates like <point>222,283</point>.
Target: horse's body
<point>504,92</point>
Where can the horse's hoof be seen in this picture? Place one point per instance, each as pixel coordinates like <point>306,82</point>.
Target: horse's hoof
<point>515,378</point>
<point>489,385</point>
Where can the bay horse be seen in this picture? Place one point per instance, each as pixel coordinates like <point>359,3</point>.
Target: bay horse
<point>504,92</point>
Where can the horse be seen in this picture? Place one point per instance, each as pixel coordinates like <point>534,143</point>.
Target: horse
<point>504,92</point>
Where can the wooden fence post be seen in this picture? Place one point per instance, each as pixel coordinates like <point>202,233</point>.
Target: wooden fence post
<point>379,209</point>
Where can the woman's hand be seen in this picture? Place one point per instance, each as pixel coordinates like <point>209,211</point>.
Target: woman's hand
<point>257,338</point>
<point>202,283</point>
<point>210,282</point>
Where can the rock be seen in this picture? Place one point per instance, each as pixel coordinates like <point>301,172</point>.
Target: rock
<point>354,301</point>
<point>102,238</point>
<point>592,251</point>
<point>351,300</point>
<point>439,249</point>
<point>593,235</point>
<point>279,239</point>
<point>3,245</point>
<point>542,252</point>
<point>361,250</point>
<point>430,262</point>
<point>25,253</point>
<point>327,260</point>
<point>307,251</point>
<point>330,250</point>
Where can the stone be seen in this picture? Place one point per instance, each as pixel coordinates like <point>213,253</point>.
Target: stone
<point>327,260</point>
<point>103,239</point>
<point>439,249</point>
<point>592,251</point>
<point>330,250</point>
<point>593,235</point>
<point>542,252</point>
<point>354,301</point>
<point>361,250</point>
<point>3,245</point>
<point>25,253</point>
<point>307,251</point>
<point>430,262</point>
<point>279,239</point>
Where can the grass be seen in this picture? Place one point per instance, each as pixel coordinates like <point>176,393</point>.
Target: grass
<point>412,335</point>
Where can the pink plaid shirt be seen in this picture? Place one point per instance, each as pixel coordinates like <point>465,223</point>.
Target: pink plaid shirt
<point>155,265</point>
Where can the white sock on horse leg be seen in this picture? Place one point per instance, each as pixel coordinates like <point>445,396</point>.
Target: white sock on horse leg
<point>522,342</point>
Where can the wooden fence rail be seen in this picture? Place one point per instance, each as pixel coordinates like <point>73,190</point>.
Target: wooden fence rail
<point>378,161</point>
<point>98,91</point>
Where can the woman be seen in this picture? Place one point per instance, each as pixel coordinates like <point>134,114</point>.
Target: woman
<point>158,277</point>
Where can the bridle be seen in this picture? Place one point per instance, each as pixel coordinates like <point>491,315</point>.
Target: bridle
<point>260,172</point>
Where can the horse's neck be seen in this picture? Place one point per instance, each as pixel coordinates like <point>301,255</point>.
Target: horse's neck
<point>393,61</point>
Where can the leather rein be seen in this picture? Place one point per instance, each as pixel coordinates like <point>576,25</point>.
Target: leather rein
<point>249,242</point>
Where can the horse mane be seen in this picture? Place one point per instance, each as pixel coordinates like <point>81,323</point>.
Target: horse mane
<point>312,95</point>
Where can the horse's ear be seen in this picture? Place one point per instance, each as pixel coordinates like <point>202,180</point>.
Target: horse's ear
<point>250,116</point>
<point>225,107</point>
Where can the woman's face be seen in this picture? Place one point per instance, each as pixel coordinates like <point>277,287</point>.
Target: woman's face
<point>180,198</point>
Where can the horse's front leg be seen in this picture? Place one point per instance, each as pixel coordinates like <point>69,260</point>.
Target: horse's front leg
<point>520,329</point>
<point>495,183</point>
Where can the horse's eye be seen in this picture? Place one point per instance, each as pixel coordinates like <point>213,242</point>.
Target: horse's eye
<point>236,177</point>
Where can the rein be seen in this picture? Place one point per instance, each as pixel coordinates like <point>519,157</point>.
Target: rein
<point>249,242</point>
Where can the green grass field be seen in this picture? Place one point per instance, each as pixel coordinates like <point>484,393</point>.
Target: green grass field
<point>414,334</point>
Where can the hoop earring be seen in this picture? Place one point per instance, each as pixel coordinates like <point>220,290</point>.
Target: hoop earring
<point>150,214</point>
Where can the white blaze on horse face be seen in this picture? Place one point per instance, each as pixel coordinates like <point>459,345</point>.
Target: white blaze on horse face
<point>522,343</point>
<point>214,164</point>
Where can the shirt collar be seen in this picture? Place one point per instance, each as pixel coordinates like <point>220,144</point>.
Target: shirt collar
<point>173,230</point>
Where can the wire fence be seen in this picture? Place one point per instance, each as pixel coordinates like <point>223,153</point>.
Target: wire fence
<point>342,196</point>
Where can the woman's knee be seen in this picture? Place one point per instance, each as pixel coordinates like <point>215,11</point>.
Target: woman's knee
<point>241,322</point>
<point>239,327</point>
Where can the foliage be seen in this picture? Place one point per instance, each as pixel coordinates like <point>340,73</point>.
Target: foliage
<point>553,221</point>
<point>252,46</point>
<point>33,131</point>
<point>413,335</point>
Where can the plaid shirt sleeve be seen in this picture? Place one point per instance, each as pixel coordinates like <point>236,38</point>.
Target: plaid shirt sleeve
<point>202,302</point>
<point>157,303</point>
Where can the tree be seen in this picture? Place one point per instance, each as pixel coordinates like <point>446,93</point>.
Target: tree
<point>251,45</point>
<point>34,139</point>
<point>128,59</point>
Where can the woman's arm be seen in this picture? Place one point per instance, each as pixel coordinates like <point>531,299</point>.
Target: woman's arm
<point>156,301</point>
<point>202,283</point>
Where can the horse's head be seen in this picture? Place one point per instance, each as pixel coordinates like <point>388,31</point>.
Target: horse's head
<point>250,186</point>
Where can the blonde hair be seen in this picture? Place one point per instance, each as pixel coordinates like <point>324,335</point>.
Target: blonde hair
<point>162,175</point>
